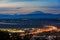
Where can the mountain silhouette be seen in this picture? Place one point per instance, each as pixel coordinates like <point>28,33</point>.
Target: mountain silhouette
<point>37,19</point>
<point>35,14</point>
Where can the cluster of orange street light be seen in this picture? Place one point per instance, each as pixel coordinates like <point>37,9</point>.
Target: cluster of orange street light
<point>40,30</point>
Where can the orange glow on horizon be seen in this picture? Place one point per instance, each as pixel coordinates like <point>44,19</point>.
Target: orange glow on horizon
<point>50,28</point>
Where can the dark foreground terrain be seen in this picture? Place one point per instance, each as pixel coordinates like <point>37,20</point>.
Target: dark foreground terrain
<point>41,36</point>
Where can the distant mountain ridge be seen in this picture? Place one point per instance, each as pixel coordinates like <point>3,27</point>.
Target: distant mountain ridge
<point>35,14</point>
